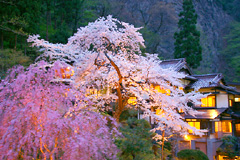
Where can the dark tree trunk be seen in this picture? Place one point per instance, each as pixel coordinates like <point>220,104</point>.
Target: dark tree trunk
<point>1,39</point>
<point>133,155</point>
<point>15,44</point>
<point>25,48</point>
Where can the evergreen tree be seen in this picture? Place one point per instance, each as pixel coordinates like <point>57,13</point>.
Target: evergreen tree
<point>136,142</point>
<point>187,44</point>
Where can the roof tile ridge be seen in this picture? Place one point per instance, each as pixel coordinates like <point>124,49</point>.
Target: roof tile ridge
<point>209,74</point>
<point>217,78</point>
<point>179,65</point>
<point>173,59</point>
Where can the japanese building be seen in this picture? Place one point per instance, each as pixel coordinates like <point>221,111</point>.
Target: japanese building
<point>221,109</point>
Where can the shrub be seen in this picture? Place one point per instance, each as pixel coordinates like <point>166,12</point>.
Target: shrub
<point>190,154</point>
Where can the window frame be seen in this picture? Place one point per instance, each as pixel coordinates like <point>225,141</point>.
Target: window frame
<point>227,128</point>
<point>207,106</point>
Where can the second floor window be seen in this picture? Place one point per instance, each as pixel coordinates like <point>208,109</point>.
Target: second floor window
<point>162,90</point>
<point>209,101</point>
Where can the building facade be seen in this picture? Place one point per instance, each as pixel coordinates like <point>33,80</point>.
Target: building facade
<point>220,109</point>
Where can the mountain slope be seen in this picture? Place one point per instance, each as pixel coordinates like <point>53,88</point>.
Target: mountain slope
<point>159,19</point>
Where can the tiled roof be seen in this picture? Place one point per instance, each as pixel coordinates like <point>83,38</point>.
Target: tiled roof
<point>169,63</point>
<point>208,81</point>
<point>198,81</point>
<point>205,81</point>
<point>175,64</point>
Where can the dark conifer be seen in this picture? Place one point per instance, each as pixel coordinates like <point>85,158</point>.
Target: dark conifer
<point>187,44</point>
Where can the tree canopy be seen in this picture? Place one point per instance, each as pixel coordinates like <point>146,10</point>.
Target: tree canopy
<point>137,140</point>
<point>106,58</point>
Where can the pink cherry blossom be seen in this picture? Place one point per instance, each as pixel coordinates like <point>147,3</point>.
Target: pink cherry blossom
<point>106,56</point>
<point>44,119</point>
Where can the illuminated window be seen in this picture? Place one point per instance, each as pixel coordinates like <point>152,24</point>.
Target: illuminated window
<point>221,157</point>
<point>194,124</point>
<point>237,126</point>
<point>162,90</point>
<point>230,100</point>
<point>218,127</point>
<point>237,99</point>
<point>226,126</point>
<point>191,120</point>
<point>159,112</point>
<point>209,101</point>
<point>132,100</point>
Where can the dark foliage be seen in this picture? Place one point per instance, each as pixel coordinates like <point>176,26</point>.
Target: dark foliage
<point>136,143</point>
<point>190,154</point>
<point>187,44</point>
<point>229,147</point>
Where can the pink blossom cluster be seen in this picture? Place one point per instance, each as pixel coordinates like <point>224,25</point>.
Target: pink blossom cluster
<point>45,119</point>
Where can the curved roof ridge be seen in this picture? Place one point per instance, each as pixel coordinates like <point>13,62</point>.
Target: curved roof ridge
<point>173,59</point>
<point>209,74</point>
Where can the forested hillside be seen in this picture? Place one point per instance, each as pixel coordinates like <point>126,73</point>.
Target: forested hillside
<point>56,20</point>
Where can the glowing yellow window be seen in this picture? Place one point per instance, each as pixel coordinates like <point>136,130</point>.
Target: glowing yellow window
<point>237,99</point>
<point>194,124</point>
<point>159,111</point>
<point>132,100</point>
<point>218,127</point>
<point>162,90</point>
<point>230,102</point>
<point>226,126</point>
<point>209,101</point>
<point>237,126</point>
